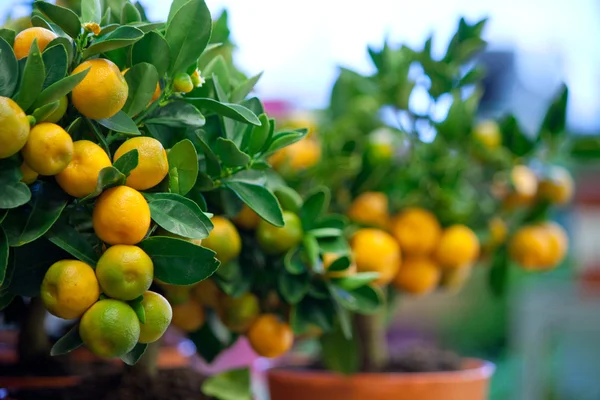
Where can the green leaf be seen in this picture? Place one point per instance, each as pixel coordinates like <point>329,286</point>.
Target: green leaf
<point>32,81</point>
<point>13,194</point>
<point>229,385</point>
<point>365,299</point>
<point>339,353</point>
<point>355,281</point>
<point>120,122</point>
<point>9,69</point>
<point>67,42</point>
<point>213,166</point>
<point>107,178</point>
<point>5,300</point>
<point>285,138</point>
<point>175,6</point>
<point>127,162</point>
<point>230,154</point>
<point>66,19</point>
<point>179,262</point>
<point>255,139</point>
<point>25,224</point>
<point>69,342</point>
<point>177,114</point>
<point>217,67</point>
<point>120,37</point>
<point>311,248</point>
<point>341,263</point>
<point>56,60</point>
<point>130,14</point>
<point>234,111</point>
<point>244,88</point>
<point>40,22</point>
<point>134,355</point>
<point>91,11</point>
<point>556,116</point>
<point>65,236</point>
<point>40,114</point>
<point>148,26</point>
<point>583,148</point>
<point>514,138</point>
<point>259,199</point>
<point>183,167</point>
<point>311,311</point>
<point>499,272</point>
<point>3,255</point>
<point>289,199</point>
<point>314,206</point>
<point>188,32</point>
<point>142,80</point>
<point>8,35</point>
<point>152,49</point>
<point>326,232</point>
<point>208,345</point>
<point>59,89</point>
<point>179,215</point>
<point>293,262</point>
<point>292,287</point>
<point>139,310</point>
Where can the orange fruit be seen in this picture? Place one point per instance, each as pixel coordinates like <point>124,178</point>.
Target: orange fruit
<point>124,272</point>
<point>277,240</point>
<point>522,188</point>
<point>376,251</point>
<point>224,240</point>
<point>370,208</point>
<point>176,294</point>
<point>558,243</point>
<point>498,232</point>
<point>29,175</point>
<point>246,219</point>
<point>152,166</point>
<point>299,156</point>
<point>14,128</point>
<point>24,40</point>
<point>188,317</point>
<point>110,328</point>
<point>103,92</point>
<point>207,293</point>
<point>49,149</point>
<point>530,247</point>
<point>269,337</point>
<point>417,231</point>
<point>80,177</point>
<point>488,134</point>
<point>158,317</point>
<point>458,247</point>
<point>239,313</point>
<point>557,187</point>
<point>69,288</point>
<point>121,216</point>
<point>417,276</point>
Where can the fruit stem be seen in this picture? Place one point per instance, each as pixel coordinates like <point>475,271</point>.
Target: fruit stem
<point>371,332</point>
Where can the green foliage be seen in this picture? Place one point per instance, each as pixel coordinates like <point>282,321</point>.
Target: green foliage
<point>229,385</point>
<point>69,342</point>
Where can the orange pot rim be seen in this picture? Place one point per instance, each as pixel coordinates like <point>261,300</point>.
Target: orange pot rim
<point>472,370</point>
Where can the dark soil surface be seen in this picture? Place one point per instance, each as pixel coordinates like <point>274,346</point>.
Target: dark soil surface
<point>171,384</point>
<point>423,358</point>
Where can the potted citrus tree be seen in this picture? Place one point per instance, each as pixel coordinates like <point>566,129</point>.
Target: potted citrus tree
<point>431,192</point>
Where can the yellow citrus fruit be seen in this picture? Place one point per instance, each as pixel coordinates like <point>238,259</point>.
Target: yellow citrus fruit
<point>498,231</point>
<point>239,313</point>
<point>277,240</point>
<point>176,294</point>
<point>80,177</point>
<point>24,40</point>
<point>298,156</point>
<point>29,175</point>
<point>559,244</point>
<point>59,112</point>
<point>523,187</point>
<point>110,328</point>
<point>246,219</point>
<point>458,247</point>
<point>121,216</point>
<point>152,166</point>
<point>376,251</point>
<point>188,317</point>
<point>329,258</point>
<point>530,247</point>
<point>158,317</point>
<point>207,293</point>
<point>488,134</point>
<point>417,275</point>
<point>224,240</point>
<point>69,288</point>
<point>558,187</point>
<point>182,82</point>
<point>103,91</point>
<point>14,128</point>
<point>49,149</point>
<point>124,272</point>
<point>453,280</point>
<point>417,231</point>
<point>370,208</point>
<point>269,337</point>
<point>381,145</point>
<point>301,120</point>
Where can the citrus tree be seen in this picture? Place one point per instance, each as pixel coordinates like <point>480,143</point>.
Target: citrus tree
<point>430,189</point>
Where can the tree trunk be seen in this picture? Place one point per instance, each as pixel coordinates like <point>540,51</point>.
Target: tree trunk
<point>34,344</point>
<point>148,363</point>
<point>371,331</point>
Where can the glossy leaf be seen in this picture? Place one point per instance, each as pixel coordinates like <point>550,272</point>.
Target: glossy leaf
<point>555,119</point>
<point>255,140</point>
<point>234,111</point>
<point>179,215</point>
<point>56,60</point>
<point>177,114</point>
<point>339,353</point>
<point>120,122</point>
<point>127,162</point>
<point>364,300</point>
<point>8,35</point>
<point>107,178</point>
<point>120,37</point>
<point>285,138</point>
<point>293,262</point>
<point>179,262</point>
<point>314,206</point>
<point>66,19</point>
<point>188,32</point>
<point>230,385</point>
<point>292,287</point>
<point>129,14</point>
<point>67,42</point>
<point>230,154</point>
<point>289,199</point>
<point>40,114</point>
<point>244,89</point>
<point>91,11</point>
<point>59,89</point>
<point>139,310</point>
<point>356,280</point>
<point>183,167</point>
<point>69,342</point>
<point>259,199</point>
<point>32,81</point>
<point>65,236</point>
<point>134,355</point>
<point>153,49</point>
<point>141,79</point>
<point>341,263</point>
<point>9,69</point>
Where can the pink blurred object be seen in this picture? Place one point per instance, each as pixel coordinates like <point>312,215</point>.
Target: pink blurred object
<point>278,108</point>
<point>237,356</point>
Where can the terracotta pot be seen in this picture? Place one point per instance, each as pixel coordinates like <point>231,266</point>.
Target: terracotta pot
<point>470,383</point>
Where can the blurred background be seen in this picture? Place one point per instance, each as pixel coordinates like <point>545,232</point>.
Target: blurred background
<point>543,336</point>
